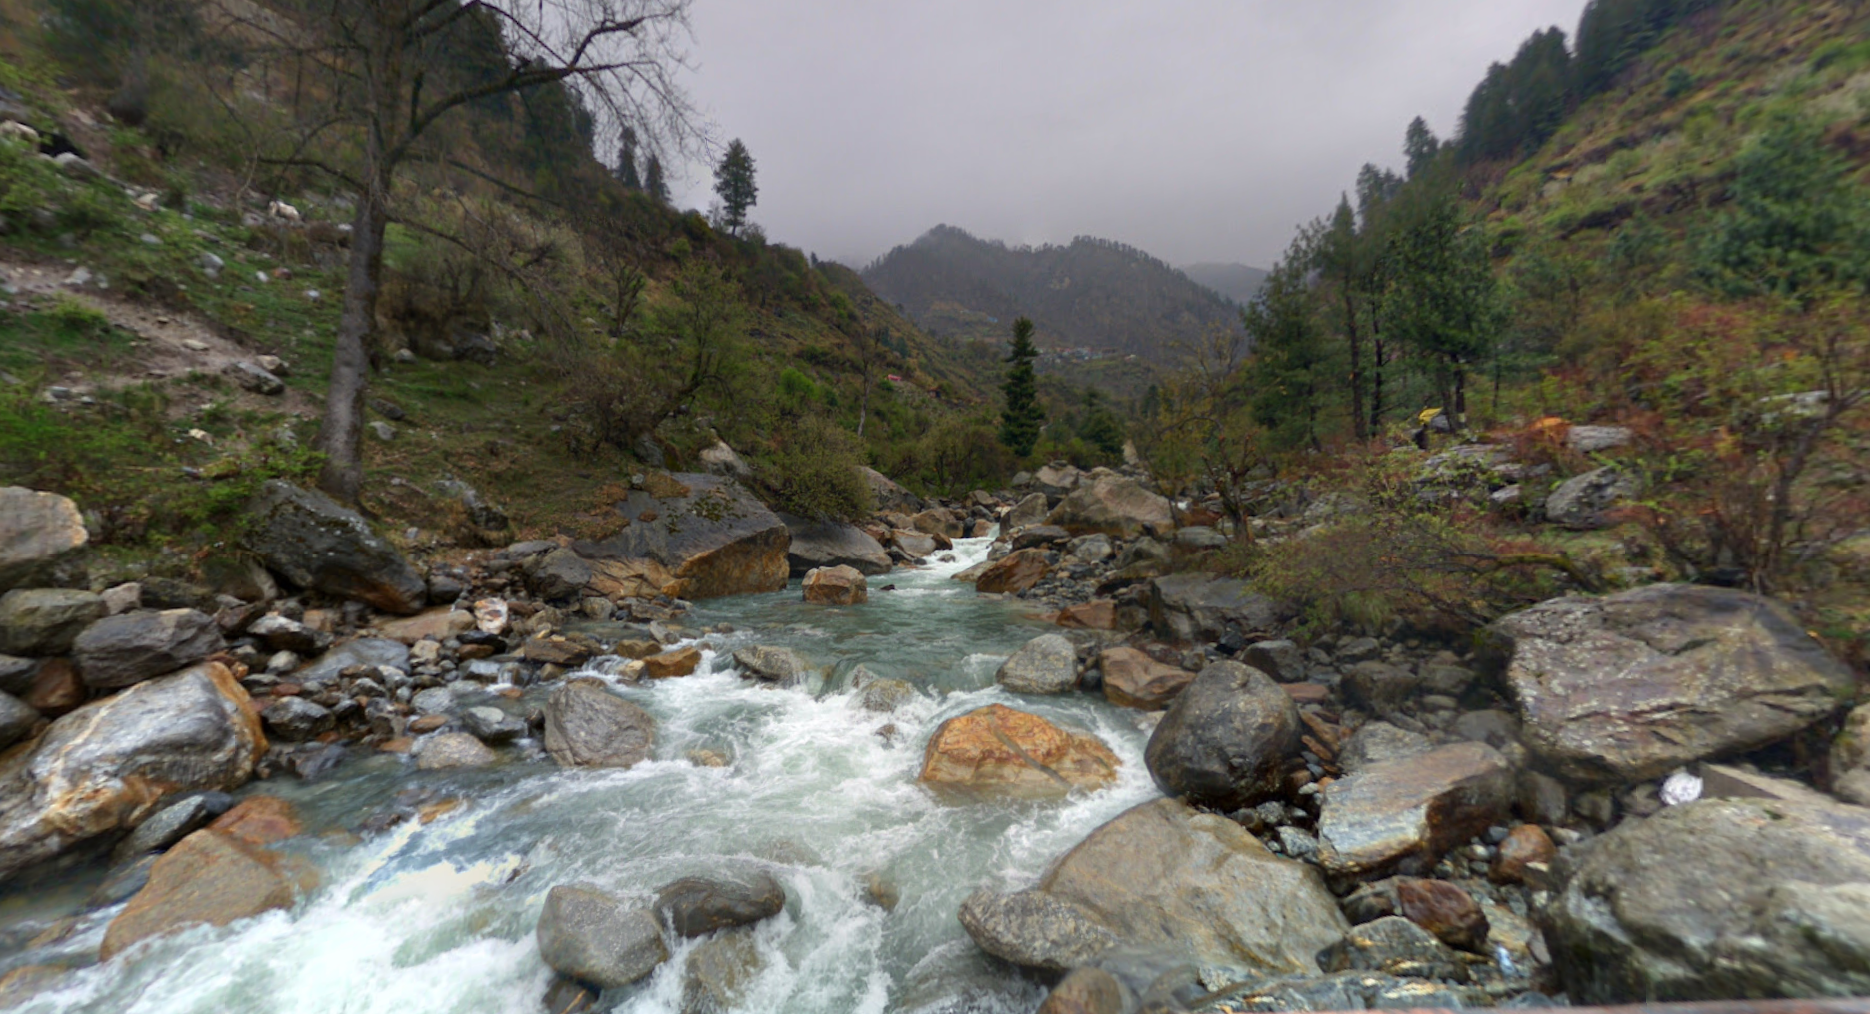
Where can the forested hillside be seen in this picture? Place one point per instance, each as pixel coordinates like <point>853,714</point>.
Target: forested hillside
<point>1090,294</point>
<point>1237,282</point>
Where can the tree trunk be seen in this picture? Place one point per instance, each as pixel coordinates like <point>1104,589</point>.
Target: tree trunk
<point>1376,383</point>
<point>1355,340</point>
<point>340,433</point>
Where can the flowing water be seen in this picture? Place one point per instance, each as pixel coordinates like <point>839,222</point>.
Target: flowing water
<point>439,917</point>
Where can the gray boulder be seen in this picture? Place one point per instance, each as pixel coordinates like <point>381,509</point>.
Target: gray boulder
<point>372,651</point>
<point>1716,899</point>
<point>45,621</point>
<point>1163,880</point>
<point>296,719</point>
<point>1404,814</point>
<point>1029,511</point>
<point>253,377</point>
<point>712,535</point>
<point>448,750</point>
<point>280,633</point>
<point>1633,685</point>
<point>1395,946</point>
<point>774,665</point>
<point>113,762</point>
<point>1115,505</point>
<point>1047,664</point>
<point>888,495</point>
<point>593,937</point>
<point>1225,740</point>
<point>17,719</point>
<point>1580,502</point>
<point>1376,742</point>
<point>697,906</point>
<point>717,973</point>
<point>588,726</point>
<point>832,544</point>
<point>36,531</point>
<point>171,824</point>
<point>314,543</point>
<point>558,575</point>
<point>1193,607</point>
<point>1280,659</point>
<point>120,650</point>
<point>491,725</point>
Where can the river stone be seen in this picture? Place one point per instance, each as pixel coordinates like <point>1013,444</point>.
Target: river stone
<point>36,530</point>
<point>296,719</point>
<point>120,650</point>
<point>713,536</point>
<point>1001,751</point>
<point>1347,991</point>
<point>1196,607</point>
<point>314,543</point>
<point>280,633</point>
<point>558,575</point>
<point>1013,573</point>
<point>1134,680</point>
<point>1047,664</point>
<point>171,824</point>
<point>831,544</point>
<point>1395,946</point>
<point>453,750</point>
<point>717,973</point>
<point>1850,757</point>
<point>1579,502</point>
<point>1380,687</point>
<point>110,763</point>
<point>836,586</point>
<point>884,695</point>
<point>1716,899</point>
<point>369,651</point>
<point>697,906</point>
<point>915,544</point>
<point>1225,741</point>
<point>1088,991</point>
<point>588,726</point>
<point>1115,505</point>
<point>1404,814</point>
<point>209,877</point>
<point>1162,878</point>
<point>1057,480</point>
<point>17,719</point>
<point>1634,685</point>
<point>491,725</point>
<point>1445,910</point>
<point>1281,659</point>
<point>888,495</point>
<point>1376,742</point>
<point>45,621</point>
<point>936,521</point>
<point>1028,512</point>
<point>16,674</point>
<point>1040,537</point>
<point>774,665</point>
<point>675,662</point>
<point>591,936</point>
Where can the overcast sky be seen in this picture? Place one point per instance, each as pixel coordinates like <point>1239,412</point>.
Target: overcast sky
<point>1198,130</point>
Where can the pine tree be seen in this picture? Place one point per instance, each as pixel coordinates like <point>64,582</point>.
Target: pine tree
<point>653,182</point>
<point>1419,146</point>
<point>1292,364</point>
<point>1102,429</point>
<point>733,182</point>
<point>626,161</point>
<point>1020,423</point>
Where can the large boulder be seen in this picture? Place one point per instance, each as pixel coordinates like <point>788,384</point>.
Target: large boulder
<point>1404,814</point>
<point>587,726</point>
<point>45,621</point>
<point>1580,502</point>
<point>36,529</point>
<point>1850,757</point>
<point>1116,506</point>
<point>1134,680</point>
<point>558,575</point>
<point>131,647</point>
<point>1194,606</point>
<point>313,542</point>
<point>1166,883</point>
<point>836,586</point>
<point>1026,513</point>
<point>1047,664</point>
<point>697,906</point>
<point>209,877</point>
<point>997,750</point>
<point>888,495</point>
<point>109,764</point>
<point>1013,573</point>
<point>1636,684</point>
<point>589,935</point>
<point>713,536</point>
<point>1225,741</point>
<point>774,665</point>
<point>1717,899</point>
<point>832,544</point>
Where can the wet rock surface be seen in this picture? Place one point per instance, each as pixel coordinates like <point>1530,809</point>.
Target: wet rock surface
<point>998,750</point>
<point>1404,814</point>
<point>591,936</point>
<point>314,543</point>
<point>713,536</point>
<point>588,726</point>
<point>1225,741</point>
<point>1047,664</point>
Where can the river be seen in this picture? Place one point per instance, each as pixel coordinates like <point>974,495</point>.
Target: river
<point>439,917</point>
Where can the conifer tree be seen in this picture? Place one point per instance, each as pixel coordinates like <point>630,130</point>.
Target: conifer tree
<point>1020,423</point>
<point>733,182</point>
<point>654,182</point>
<point>626,160</point>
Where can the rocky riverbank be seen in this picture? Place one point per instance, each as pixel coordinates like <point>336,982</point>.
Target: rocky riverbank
<point>1531,817</point>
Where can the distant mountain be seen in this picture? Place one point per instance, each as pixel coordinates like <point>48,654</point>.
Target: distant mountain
<point>1090,294</point>
<point>1237,282</point>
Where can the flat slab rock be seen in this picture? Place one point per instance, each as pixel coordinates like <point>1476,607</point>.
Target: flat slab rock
<point>1405,814</point>
<point>1631,686</point>
<point>714,536</point>
<point>832,544</point>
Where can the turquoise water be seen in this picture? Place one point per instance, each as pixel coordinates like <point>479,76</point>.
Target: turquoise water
<point>439,917</point>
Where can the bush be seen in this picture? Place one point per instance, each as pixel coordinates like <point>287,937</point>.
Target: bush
<point>814,473</point>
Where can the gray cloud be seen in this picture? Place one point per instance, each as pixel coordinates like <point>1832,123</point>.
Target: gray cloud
<point>1195,129</point>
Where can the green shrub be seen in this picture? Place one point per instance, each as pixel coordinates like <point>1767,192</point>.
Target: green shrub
<point>814,472</point>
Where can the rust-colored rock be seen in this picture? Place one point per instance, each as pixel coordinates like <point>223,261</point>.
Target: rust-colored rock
<point>56,688</point>
<point>836,586</point>
<point>1526,844</point>
<point>1444,910</point>
<point>1134,680</point>
<point>999,750</point>
<point>682,661</point>
<point>633,578</point>
<point>712,536</point>
<point>1099,614</point>
<point>260,820</point>
<point>208,877</point>
<point>427,724</point>
<point>1013,573</point>
<point>556,651</point>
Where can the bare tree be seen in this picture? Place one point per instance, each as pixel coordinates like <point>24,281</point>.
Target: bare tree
<point>388,72</point>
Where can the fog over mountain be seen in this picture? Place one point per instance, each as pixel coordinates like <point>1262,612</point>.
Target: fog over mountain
<point>1203,130</point>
